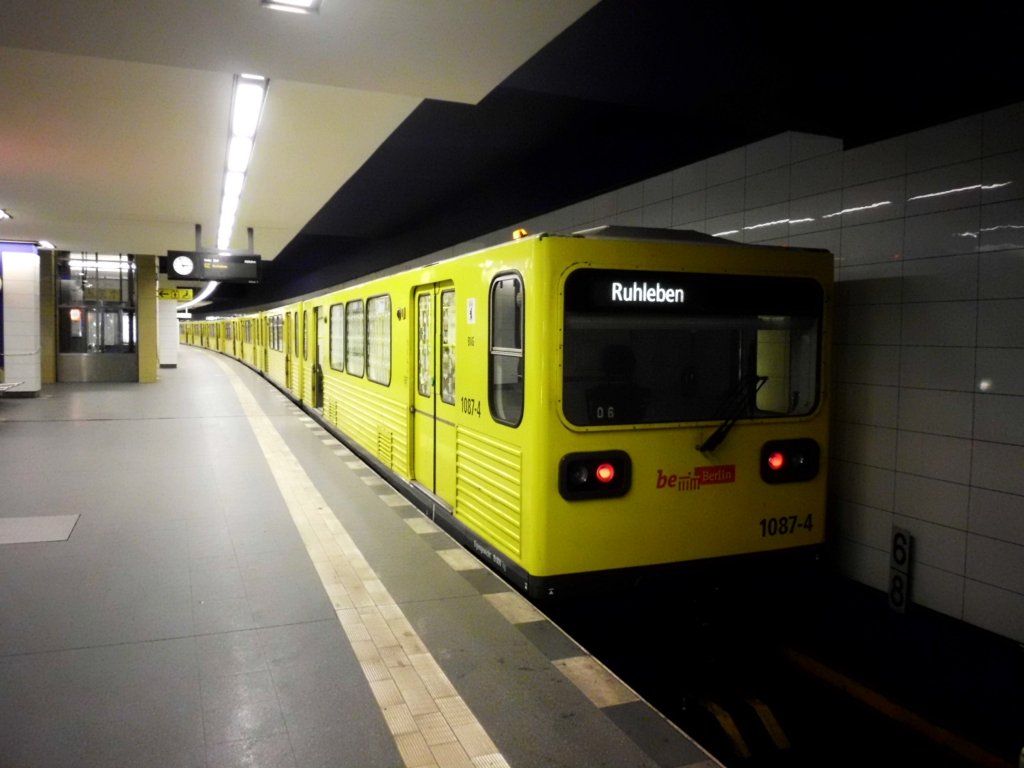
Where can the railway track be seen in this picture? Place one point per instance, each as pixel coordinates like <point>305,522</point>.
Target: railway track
<point>741,672</point>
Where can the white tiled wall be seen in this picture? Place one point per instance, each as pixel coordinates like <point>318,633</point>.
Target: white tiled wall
<point>928,234</point>
<point>21,319</point>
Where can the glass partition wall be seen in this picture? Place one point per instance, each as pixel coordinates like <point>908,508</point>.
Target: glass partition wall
<point>97,318</point>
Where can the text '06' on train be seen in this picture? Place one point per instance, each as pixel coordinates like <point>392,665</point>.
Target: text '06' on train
<point>576,408</point>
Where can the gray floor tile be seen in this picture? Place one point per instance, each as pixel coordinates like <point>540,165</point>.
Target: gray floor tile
<point>272,751</point>
<point>216,583</point>
<point>549,640</point>
<point>302,643</point>
<point>333,747</point>
<point>220,691</point>
<point>226,614</point>
<point>243,720</point>
<point>231,653</point>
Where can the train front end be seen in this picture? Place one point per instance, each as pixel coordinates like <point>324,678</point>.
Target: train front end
<point>688,405</point>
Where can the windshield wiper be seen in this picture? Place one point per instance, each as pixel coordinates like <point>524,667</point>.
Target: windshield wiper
<point>732,407</point>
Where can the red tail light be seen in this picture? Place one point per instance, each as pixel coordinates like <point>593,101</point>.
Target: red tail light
<point>602,475</point>
<point>790,461</point>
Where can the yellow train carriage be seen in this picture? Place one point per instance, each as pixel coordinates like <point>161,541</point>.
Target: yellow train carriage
<point>273,346</point>
<point>231,342</point>
<point>193,334</point>
<point>573,406</point>
<point>247,342</point>
<point>361,369</point>
<point>591,433</point>
<point>218,336</point>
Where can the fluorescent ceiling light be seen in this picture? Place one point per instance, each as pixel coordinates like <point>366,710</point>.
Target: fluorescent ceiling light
<point>233,184</point>
<point>239,150</point>
<point>245,115</point>
<point>228,208</point>
<point>247,102</point>
<point>293,6</point>
<point>4,214</point>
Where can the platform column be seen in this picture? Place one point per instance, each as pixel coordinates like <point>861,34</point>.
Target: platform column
<point>168,343</point>
<point>146,271</point>
<point>20,319</point>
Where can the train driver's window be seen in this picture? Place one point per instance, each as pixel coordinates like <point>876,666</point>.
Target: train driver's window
<point>617,397</point>
<point>506,386</point>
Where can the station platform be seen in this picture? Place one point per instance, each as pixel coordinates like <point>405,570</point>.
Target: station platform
<point>194,573</point>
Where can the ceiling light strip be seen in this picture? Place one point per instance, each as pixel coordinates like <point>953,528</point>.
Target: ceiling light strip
<point>247,101</point>
<point>292,6</point>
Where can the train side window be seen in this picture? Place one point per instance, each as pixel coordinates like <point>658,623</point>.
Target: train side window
<point>378,339</point>
<point>787,356</point>
<point>448,347</point>
<point>338,337</point>
<point>506,385</point>
<point>355,338</point>
<point>424,344</point>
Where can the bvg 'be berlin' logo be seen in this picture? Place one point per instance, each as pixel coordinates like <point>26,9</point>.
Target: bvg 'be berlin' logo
<point>701,476</point>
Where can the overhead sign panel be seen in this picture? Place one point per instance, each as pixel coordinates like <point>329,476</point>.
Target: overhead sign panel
<point>193,265</point>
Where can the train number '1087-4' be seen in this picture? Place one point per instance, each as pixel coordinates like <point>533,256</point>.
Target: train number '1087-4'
<point>782,526</point>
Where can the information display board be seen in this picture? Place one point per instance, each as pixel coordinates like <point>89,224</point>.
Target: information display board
<point>192,265</point>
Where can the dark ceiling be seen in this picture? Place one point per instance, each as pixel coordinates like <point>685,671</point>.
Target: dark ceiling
<point>640,87</point>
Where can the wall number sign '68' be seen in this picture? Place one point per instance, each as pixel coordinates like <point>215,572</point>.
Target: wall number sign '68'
<point>783,526</point>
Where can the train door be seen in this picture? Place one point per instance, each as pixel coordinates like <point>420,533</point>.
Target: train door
<point>265,344</point>
<point>319,350</point>
<point>289,321</point>
<point>434,390</point>
<point>301,355</point>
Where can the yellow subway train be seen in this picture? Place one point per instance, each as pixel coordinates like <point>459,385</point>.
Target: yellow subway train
<point>577,408</point>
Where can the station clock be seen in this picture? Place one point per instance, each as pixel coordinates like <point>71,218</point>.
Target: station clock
<point>183,266</point>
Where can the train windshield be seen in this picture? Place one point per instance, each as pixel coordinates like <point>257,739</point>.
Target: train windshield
<point>659,347</point>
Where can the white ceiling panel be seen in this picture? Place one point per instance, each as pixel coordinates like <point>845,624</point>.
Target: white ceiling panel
<point>114,116</point>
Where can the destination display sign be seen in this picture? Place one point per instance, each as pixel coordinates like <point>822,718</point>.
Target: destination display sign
<point>689,293</point>
<point>234,268</point>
